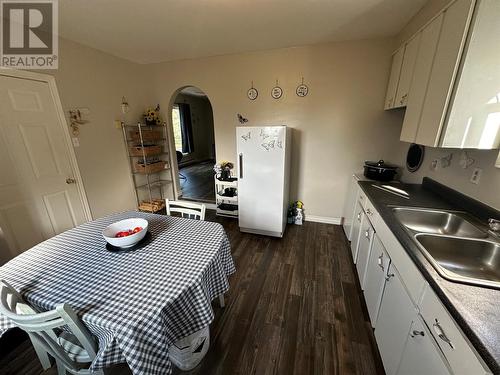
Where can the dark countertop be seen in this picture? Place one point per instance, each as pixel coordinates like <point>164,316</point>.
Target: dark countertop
<point>475,309</point>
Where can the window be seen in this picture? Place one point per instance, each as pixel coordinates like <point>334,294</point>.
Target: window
<point>176,120</point>
<point>182,128</point>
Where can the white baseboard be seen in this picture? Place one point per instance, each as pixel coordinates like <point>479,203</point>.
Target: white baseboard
<point>323,219</point>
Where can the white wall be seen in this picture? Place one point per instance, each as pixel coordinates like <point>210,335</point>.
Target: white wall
<point>336,127</point>
<point>90,78</point>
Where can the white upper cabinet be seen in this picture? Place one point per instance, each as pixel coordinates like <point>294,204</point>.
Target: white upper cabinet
<point>453,99</point>
<point>423,65</point>
<point>407,69</point>
<point>474,116</point>
<point>392,87</point>
<point>444,68</point>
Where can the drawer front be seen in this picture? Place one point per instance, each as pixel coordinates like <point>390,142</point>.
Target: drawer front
<point>459,353</point>
<point>361,197</point>
<point>370,211</point>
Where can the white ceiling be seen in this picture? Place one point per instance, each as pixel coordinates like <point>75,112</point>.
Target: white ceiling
<point>148,31</point>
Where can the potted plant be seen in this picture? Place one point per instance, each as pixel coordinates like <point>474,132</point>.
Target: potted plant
<point>223,170</point>
<point>152,116</point>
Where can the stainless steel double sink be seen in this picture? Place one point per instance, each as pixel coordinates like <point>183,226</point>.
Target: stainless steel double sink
<point>459,247</point>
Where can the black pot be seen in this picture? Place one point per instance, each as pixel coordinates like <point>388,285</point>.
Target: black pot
<point>380,171</point>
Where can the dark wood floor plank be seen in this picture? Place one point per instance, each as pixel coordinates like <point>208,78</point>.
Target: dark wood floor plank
<point>294,307</point>
<point>199,182</point>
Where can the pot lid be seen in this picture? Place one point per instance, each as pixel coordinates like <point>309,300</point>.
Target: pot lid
<point>380,164</point>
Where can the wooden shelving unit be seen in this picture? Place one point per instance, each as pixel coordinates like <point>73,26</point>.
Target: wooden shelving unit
<point>147,149</point>
<point>226,205</point>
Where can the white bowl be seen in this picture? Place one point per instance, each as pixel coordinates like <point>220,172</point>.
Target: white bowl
<point>111,230</point>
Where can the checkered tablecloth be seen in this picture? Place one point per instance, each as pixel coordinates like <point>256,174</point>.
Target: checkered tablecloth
<point>137,303</point>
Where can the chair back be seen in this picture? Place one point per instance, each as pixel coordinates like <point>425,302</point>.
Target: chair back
<point>44,327</point>
<point>186,209</point>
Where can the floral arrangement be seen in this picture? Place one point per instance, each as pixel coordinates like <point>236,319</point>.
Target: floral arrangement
<point>223,169</point>
<point>152,115</point>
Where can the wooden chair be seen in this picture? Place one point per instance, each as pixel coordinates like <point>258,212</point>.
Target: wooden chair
<point>186,209</point>
<point>73,351</point>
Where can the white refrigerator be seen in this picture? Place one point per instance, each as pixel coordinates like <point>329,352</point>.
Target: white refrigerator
<point>263,154</point>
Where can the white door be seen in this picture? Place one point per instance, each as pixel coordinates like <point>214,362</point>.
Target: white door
<point>407,69</point>
<point>261,176</point>
<point>376,271</point>
<point>39,196</point>
<point>422,355</point>
<point>364,248</point>
<point>393,322</point>
<point>420,78</point>
<point>397,62</point>
<point>356,228</point>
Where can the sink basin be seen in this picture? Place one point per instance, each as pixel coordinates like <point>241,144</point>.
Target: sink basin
<point>437,222</point>
<point>473,261</point>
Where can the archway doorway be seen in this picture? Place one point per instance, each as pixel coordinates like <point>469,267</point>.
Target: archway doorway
<point>193,144</point>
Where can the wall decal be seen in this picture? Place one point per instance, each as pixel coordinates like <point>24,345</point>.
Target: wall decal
<point>241,119</point>
<point>302,89</point>
<point>276,91</point>
<point>252,93</point>
<point>247,136</point>
<point>268,145</point>
<point>465,161</point>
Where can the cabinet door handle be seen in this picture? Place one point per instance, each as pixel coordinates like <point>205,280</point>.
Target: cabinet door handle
<point>367,233</point>
<point>369,212</point>
<point>359,217</point>
<point>380,261</point>
<point>439,331</point>
<point>241,165</point>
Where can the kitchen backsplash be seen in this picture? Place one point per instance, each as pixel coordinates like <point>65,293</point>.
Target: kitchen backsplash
<point>457,177</point>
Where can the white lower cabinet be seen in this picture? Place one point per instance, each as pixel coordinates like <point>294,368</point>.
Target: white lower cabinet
<point>356,226</point>
<point>461,356</point>
<point>415,333</point>
<point>364,247</point>
<point>393,322</point>
<point>376,272</point>
<point>422,355</point>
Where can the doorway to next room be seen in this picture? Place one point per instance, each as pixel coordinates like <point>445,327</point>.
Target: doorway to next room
<point>194,141</point>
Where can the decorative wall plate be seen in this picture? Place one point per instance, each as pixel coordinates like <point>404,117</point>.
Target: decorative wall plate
<point>302,90</point>
<point>276,92</point>
<point>252,93</point>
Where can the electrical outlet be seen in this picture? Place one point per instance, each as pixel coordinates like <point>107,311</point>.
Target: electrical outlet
<point>476,176</point>
<point>434,164</point>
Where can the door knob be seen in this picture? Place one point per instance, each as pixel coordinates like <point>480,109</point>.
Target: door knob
<point>70,181</point>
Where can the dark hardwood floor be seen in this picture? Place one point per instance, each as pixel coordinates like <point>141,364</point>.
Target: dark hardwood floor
<point>199,183</point>
<point>294,307</point>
